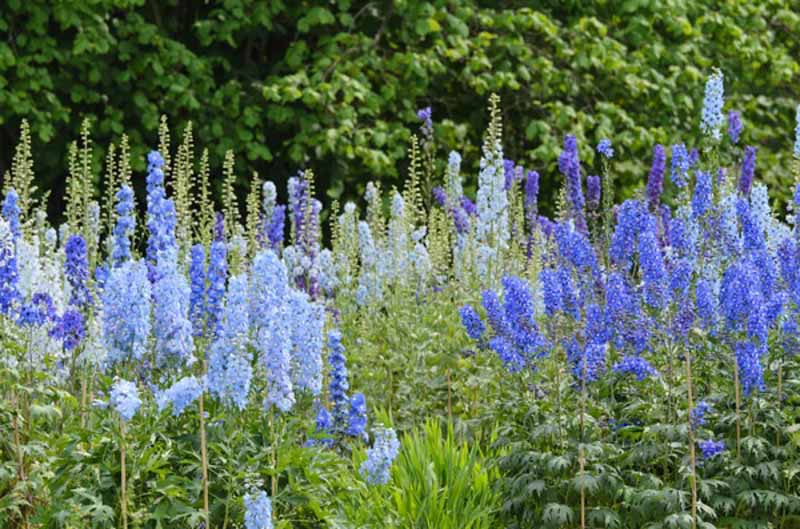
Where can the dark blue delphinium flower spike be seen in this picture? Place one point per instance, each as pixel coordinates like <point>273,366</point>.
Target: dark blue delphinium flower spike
<point>734,125</point>
<point>76,269</point>
<point>655,182</point>
<point>748,170</point>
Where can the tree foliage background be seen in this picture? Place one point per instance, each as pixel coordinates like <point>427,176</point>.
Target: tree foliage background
<point>334,85</point>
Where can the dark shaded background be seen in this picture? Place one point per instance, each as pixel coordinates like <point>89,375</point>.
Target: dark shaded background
<point>334,85</point>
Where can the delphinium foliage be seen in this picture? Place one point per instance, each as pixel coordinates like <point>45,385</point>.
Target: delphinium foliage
<point>448,357</point>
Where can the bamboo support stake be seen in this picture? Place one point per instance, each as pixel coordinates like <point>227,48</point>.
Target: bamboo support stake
<point>204,460</point>
<point>692,455</point>
<point>738,411</point>
<point>124,499</point>
<point>581,460</point>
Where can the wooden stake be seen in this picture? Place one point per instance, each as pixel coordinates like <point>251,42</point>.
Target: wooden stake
<point>692,455</point>
<point>124,499</point>
<point>204,460</point>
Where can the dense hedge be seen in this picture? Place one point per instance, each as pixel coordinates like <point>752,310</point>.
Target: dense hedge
<point>335,85</point>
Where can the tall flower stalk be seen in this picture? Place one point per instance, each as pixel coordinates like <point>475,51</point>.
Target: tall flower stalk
<point>690,423</point>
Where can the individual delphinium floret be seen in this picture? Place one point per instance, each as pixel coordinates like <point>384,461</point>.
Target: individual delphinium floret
<point>605,148</point>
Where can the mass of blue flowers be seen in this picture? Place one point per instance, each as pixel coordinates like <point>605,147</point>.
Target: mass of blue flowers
<point>659,334</point>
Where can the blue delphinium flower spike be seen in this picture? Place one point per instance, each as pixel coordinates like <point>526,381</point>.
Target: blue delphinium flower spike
<point>124,397</point>
<point>258,511</point>
<point>384,450</point>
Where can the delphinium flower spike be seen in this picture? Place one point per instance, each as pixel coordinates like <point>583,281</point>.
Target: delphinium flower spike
<point>9,277</point>
<point>339,384</point>
<point>472,322</point>
<point>734,125</point>
<point>125,399</point>
<point>492,199</point>
<point>181,394</point>
<point>268,313</point>
<point>171,325</point>
<point>126,301</point>
<point>258,511</point>
<point>384,450</point>
<point>712,118</point>
<point>711,448</point>
<point>124,226</point>
<point>308,320</point>
<point>229,369</point>
<point>655,182</point>
<point>161,216</point>
<point>275,227</point>
<point>11,212</point>
<point>748,170</point>
<point>635,365</point>
<point>797,133</point>
<point>701,199</point>
<point>680,166</point>
<point>197,282</point>
<point>570,166</point>
<point>217,276</point>
<point>357,418</point>
<point>76,269</point>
